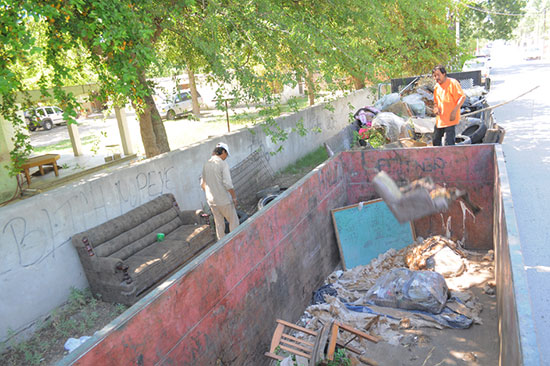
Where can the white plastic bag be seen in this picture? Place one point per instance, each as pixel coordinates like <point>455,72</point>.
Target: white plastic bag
<point>416,104</point>
<point>392,124</point>
<point>72,343</point>
<point>386,101</point>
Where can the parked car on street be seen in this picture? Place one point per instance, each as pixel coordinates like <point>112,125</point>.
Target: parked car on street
<point>176,104</point>
<point>533,53</point>
<point>45,117</point>
<point>479,63</point>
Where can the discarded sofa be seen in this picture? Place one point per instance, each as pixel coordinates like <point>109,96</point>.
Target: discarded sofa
<point>123,258</point>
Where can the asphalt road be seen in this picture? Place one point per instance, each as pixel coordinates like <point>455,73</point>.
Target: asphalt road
<point>526,148</point>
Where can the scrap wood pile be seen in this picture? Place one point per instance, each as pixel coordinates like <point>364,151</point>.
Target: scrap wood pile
<point>422,285</point>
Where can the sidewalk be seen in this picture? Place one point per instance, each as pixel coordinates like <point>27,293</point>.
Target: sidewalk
<point>70,168</point>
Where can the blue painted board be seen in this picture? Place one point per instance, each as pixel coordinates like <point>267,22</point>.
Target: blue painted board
<point>363,234</point>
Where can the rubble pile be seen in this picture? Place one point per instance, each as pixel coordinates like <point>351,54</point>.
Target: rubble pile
<point>408,117</point>
<point>345,292</point>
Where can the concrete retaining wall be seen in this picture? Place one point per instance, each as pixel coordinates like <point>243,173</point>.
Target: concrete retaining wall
<point>38,264</point>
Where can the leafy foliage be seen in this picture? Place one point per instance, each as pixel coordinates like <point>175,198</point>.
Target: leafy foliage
<point>490,19</point>
<point>251,49</point>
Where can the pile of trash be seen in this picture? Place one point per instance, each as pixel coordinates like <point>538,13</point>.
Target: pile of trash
<point>407,116</point>
<point>421,285</point>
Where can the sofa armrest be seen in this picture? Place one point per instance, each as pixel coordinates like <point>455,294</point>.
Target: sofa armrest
<point>107,264</point>
<point>189,217</point>
<point>112,266</point>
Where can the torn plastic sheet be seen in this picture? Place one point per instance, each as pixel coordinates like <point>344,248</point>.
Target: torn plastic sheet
<point>447,318</point>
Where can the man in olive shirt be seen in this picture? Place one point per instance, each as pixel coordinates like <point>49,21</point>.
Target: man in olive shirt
<point>220,195</point>
<point>448,98</point>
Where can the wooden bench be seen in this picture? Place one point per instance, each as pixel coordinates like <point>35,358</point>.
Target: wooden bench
<point>40,161</point>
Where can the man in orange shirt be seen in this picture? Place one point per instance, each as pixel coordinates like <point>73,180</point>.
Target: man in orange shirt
<point>448,98</point>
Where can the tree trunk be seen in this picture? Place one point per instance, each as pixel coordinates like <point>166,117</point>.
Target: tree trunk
<point>151,116</point>
<point>310,88</point>
<point>194,93</point>
<point>358,83</point>
<point>147,133</point>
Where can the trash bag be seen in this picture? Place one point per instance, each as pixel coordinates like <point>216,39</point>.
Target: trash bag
<point>425,94</point>
<point>416,104</point>
<point>73,343</point>
<point>412,290</point>
<point>437,253</point>
<point>386,101</point>
<point>365,115</point>
<point>319,295</point>
<point>391,122</point>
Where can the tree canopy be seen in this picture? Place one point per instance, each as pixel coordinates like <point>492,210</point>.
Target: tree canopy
<point>491,19</point>
<point>253,46</point>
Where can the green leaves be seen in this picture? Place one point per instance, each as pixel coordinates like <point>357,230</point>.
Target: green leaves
<point>251,48</point>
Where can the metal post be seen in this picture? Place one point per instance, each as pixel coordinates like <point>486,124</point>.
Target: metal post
<point>227,115</point>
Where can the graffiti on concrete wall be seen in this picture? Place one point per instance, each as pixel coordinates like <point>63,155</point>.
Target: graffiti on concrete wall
<point>144,186</point>
<point>27,238</point>
<point>404,168</point>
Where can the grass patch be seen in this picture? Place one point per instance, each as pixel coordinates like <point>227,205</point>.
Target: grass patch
<point>293,105</point>
<point>308,162</point>
<point>81,315</point>
<point>66,144</point>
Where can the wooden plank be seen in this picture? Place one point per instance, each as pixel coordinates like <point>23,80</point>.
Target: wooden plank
<point>296,340</point>
<point>300,346</point>
<point>273,355</point>
<point>348,347</point>
<point>297,327</point>
<point>276,337</point>
<point>294,351</point>
<point>368,361</point>
<point>358,332</point>
<point>332,343</point>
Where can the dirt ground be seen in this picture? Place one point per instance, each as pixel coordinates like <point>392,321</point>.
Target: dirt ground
<point>82,315</point>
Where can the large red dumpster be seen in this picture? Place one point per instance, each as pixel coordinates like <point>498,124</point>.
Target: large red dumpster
<point>220,309</point>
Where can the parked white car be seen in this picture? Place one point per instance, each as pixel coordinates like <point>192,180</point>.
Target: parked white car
<point>479,63</point>
<point>176,105</point>
<point>45,117</point>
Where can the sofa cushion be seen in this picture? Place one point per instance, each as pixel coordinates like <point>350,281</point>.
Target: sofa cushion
<point>139,236</point>
<point>196,235</point>
<point>154,262</point>
<point>138,222</point>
